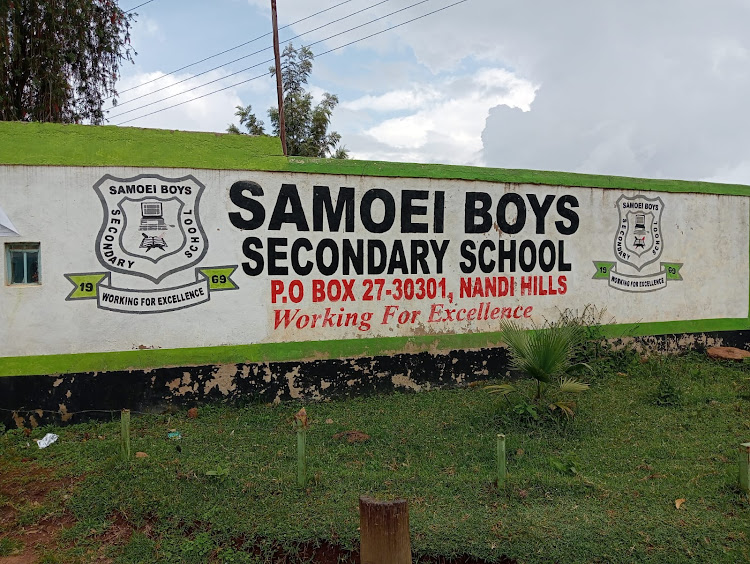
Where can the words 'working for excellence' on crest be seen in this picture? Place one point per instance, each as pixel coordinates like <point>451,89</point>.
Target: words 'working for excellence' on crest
<point>151,229</point>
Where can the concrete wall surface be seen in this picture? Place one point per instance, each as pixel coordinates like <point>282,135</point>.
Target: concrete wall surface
<point>211,250</point>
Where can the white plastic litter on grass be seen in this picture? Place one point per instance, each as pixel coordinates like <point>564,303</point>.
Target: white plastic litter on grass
<point>47,440</point>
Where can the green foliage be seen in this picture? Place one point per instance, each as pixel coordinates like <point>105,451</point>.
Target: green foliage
<point>48,558</point>
<point>305,125</point>
<point>139,549</point>
<point>743,384</point>
<point>187,550</point>
<point>667,393</point>
<point>9,546</point>
<point>60,59</point>
<point>567,465</point>
<point>632,460</point>
<point>219,472</point>
<point>233,556</point>
<point>743,388</point>
<point>248,120</point>
<point>602,354</point>
<point>544,355</point>
<point>525,411</point>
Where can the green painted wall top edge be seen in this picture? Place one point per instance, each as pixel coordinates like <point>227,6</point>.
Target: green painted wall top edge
<point>82,145</point>
<point>86,145</point>
<point>514,176</point>
<point>311,350</point>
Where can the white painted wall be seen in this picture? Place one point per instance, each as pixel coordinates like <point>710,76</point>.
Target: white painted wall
<point>59,208</point>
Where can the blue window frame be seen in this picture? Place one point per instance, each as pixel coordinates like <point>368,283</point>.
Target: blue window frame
<point>22,263</point>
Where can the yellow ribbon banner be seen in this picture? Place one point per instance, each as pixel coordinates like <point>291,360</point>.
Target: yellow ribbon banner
<point>98,286</point>
<point>606,270</point>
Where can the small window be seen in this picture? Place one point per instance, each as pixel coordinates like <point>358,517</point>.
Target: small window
<point>22,263</point>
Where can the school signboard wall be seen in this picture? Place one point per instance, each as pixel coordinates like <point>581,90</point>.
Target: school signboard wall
<point>183,253</point>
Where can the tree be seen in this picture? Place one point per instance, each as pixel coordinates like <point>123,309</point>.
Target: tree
<point>248,119</point>
<point>60,59</point>
<point>306,125</point>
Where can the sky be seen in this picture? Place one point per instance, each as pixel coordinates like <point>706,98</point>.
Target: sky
<point>637,88</point>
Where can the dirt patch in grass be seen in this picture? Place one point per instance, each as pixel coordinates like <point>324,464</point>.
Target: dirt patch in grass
<point>27,483</point>
<point>328,553</point>
<point>37,539</point>
<point>352,436</point>
<point>120,531</point>
<point>28,487</point>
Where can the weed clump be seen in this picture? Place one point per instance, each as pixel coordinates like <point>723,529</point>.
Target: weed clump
<point>667,393</point>
<point>604,355</point>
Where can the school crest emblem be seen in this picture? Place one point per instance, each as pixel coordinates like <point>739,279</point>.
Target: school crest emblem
<point>638,241</point>
<point>151,228</point>
<point>151,225</point>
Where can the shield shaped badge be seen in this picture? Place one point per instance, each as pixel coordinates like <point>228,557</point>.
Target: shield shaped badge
<point>638,240</point>
<point>151,226</point>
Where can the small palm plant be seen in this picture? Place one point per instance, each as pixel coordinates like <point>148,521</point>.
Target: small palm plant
<point>545,355</point>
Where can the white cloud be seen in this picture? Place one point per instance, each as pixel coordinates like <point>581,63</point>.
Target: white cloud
<point>726,55</point>
<point>738,173</point>
<point>396,100</point>
<point>446,119</point>
<point>404,133</point>
<point>210,113</point>
<point>655,89</point>
<point>638,88</point>
<point>150,28</point>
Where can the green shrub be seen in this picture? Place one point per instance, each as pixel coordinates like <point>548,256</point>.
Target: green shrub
<point>546,356</point>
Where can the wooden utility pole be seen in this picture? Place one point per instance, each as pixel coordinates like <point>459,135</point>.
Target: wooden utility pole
<point>279,88</point>
<point>384,531</point>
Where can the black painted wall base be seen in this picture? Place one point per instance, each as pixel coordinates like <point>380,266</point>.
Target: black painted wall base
<point>30,401</point>
<point>34,400</point>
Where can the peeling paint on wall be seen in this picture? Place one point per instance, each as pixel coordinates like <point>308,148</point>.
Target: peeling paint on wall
<point>277,382</point>
<point>223,379</point>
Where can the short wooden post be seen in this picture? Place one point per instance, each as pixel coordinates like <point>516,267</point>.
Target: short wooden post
<point>384,531</point>
<point>500,461</point>
<point>125,434</point>
<point>745,467</point>
<point>301,456</point>
<point>300,421</point>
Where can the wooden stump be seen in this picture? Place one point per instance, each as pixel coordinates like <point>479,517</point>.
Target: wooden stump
<point>384,531</point>
<point>728,353</point>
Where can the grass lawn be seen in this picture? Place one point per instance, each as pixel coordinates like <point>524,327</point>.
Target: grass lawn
<point>602,488</point>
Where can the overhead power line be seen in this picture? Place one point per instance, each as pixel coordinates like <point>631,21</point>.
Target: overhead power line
<point>138,6</point>
<point>191,89</point>
<point>318,55</point>
<point>196,98</point>
<point>258,64</point>
<point>120,104</point>
<point>231,48</point>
